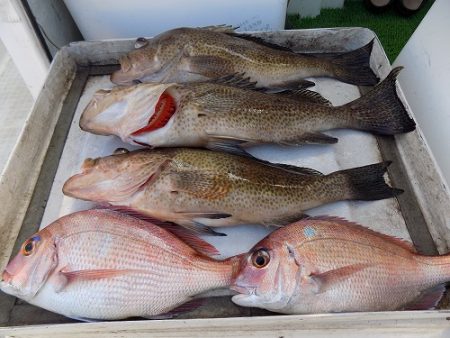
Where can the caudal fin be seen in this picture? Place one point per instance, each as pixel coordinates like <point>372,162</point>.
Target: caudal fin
<point>354,67</point>
<point>367,183</point>
<point>381,111</point>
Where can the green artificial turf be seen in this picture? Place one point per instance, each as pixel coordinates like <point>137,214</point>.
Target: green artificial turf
<point>392,29</point>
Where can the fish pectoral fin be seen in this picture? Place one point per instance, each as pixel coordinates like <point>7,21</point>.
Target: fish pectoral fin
<point>238,80</point>
<point>305,95</point>
<point>201,184</point>
<point>70,277</point>
<point>427,299</point>
<point>207,65</point>
<point>322,282</point>
<point>310,138</point>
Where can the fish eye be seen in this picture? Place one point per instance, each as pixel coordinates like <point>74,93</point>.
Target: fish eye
<point>28,247</point>
<point>260,258</point>
<point>120,151</point>
<point>140,42</point>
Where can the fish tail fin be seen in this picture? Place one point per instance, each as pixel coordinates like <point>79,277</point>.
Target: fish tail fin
<point>367,183</point>
<point>380,110</point>
<point>354,67</point>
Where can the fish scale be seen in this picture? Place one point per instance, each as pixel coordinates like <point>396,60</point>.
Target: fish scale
<point>150,271</point>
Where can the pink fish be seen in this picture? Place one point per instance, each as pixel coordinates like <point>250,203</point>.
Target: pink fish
<point>102,265</point>
<point>328,264</point>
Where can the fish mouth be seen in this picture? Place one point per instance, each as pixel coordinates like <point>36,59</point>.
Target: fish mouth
<point>6,277</point>
<point>123,76</point>
<point>244,289</point>
<point>69,188</point>
<point>7,286</point>
<point>119,77</point>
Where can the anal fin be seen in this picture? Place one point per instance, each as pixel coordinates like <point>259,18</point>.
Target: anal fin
<point>282,221</point>
<point>305,95</point>
<point>307,138</point>
<point>186,307</point>
<point>197,227</point>
<point>428,299</point>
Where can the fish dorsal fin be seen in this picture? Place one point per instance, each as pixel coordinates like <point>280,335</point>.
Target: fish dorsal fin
<point>427,299</point>
<point>323,281</point>
<point>260,41</point>
<point>238,80</point>
<point>192,240</point>
<point>229,29</point>
<point>334,219</point>
<point>184,234</point>
<point>305,95</point>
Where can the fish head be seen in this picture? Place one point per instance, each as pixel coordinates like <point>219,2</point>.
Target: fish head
<point>137,65</point>
<point>266,277</point>
<point>152,59</point>
<point>124,111</point>
<point>28,271</point>
<point>115,178</point>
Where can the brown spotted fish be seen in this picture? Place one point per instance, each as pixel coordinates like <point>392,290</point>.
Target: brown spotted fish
<point>217,115</point>
<point>199,188</point>
<point>192,54</point>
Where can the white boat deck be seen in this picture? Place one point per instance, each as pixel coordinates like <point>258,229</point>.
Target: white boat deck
<point>16,103</point>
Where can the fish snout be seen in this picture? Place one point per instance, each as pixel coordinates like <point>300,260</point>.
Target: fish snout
<point>73,185</point>
<point>6,277</point>
<point>87,116</point>
<point>120,77</point>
